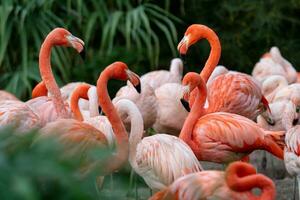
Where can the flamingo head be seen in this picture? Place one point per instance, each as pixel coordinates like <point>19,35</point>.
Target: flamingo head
<point>190,81</point>
<point>191,36</point>
<point>122,72</point>
<point>62,37</point>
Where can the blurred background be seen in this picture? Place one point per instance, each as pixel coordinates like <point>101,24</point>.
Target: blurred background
<point>142,33</point>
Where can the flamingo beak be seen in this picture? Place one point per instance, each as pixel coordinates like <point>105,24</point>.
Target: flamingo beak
<point>134,79</point>
<point>183,46</point>
<point>184,99</point>
<point>265,103</point>
<point>77,44</point>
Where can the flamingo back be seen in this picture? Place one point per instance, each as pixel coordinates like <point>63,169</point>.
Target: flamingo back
<point>201,185</point>
<point>44,108</point>
<point>18,114</point>
<point>170,112</point>
<point>161,159</point>
<point>7,96</point>
<point>292,151</point>
<point>235,93</point>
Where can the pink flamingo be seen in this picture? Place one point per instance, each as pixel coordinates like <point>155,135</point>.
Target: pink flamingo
<point>292,154</point>
<point>51,108</point>
<point>229,91</point>
<point>74,131</point>
<point>236,183</point>
<point>223,137</point>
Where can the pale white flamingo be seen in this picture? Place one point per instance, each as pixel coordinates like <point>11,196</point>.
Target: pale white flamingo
<point>146,101</point>
<point>271,85</point>
<point>292,154</point>
<point>236,183</point>
<point>272,63</point>
<point>160,159</point>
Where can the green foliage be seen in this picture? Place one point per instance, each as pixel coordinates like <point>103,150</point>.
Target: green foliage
<point>113,30</point>
<point>41,170</point>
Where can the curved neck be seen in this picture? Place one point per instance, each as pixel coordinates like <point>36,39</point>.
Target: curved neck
<point>196,112</point>
<point>176,67</point>
<point>80,92</point>
<point>48,78</point>
<point>39,90</point>
<point>125,106</point>
<point>215,52</point>
<point>119,130</point>
<point>243,179</point>
<point>93,102</point>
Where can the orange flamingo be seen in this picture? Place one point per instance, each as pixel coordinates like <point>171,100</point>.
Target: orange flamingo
<point>223,137</point>
<point>160,159</point>
<point>231,92</point>
<point>91,117</point>
<point>236,183</point>
<point>70,130</point>
<point>51,108</point>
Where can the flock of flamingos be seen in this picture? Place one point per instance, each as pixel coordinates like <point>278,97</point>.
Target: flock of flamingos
<point>219,115</point>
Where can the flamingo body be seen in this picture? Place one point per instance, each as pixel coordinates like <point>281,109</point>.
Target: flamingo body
<point>219,185</point>
<point>19,115</point>
<point>235,93</point>
<point>7,96</point>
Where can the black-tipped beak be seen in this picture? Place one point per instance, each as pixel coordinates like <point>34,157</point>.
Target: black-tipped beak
<point>83,54</point>
<point>185,104</point>
<point>183,58</point>
<point>100,110</point>
<point>138,88</point>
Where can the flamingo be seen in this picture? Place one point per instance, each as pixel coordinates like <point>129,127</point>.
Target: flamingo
<point>292,153</point>
<point>284,116</point>
<point>74,131</point>
<point>272,63</point>
<point>41,90</point>
<point>235,183</point>
<point>160,159</point>
<point>223,137</point>
<point>157,78</point>
<point>271,85</point>
<point>147,100</point>
<point>52,108</point>
<point>4,95</point>
<point>92,116</point>
<point>231,92</point>
<point>18,115</point>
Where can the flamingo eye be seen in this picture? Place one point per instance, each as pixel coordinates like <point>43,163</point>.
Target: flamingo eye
<point>298,109</point>
<point>270,121</point>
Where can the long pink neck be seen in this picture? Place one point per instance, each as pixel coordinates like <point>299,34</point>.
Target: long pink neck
<point>117,125</point>
<point>215,52</point>
<point>238,180</point>
<point>196,112</point>
<point>48,78</point>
